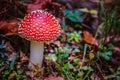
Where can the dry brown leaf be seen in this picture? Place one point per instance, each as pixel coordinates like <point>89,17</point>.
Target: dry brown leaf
<point>35,72</point>
<point>11,56</point>
<point>116,49</point>
<point>29,73</point>
<point>10,49</point>
<point>3,67</point>
<point>32,7</point>
<point>88,38</point>
<point>2,24</point>
<point>23,57</point>
<point>70,58</point>
<point>38,4</point>
<point>9,28</point>
<point>57,43</point>
<point>54,78</point>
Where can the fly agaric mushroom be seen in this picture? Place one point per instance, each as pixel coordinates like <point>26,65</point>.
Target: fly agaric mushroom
<point>39,26</point>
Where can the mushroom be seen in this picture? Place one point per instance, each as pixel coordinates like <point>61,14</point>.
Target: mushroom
<point>38,27</point>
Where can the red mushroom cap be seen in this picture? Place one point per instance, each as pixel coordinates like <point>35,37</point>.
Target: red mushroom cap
<point>39,25</point>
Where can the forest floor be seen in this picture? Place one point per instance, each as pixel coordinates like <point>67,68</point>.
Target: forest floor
<point>88,47</point>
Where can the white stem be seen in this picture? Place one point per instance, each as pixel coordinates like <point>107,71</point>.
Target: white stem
<point>36,52</point>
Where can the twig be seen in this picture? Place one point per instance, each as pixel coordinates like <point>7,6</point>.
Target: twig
<point>85,48</point>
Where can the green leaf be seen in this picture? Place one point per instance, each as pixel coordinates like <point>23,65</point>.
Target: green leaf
<point>106,58</point>
<point>102,47</point>
<point>109,53</point>
<point>89,11</point>
<point>91,56</point>
<point>105,55</point>
<point>80,74</point>
<point>51,57</point>
<point>110,46</point>
<point>74,36</point>
<point>75,16</point>
<point>118,73</point>
<point>68,66</point>
<point>109,77</point>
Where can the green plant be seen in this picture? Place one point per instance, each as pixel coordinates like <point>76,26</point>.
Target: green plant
<point>74,16</point>
<point>74,36</point>
<point>110,21</point>
<point>118,73</point>
<point>72,69</point>
<point>105,52</point>
<point>114,75</point>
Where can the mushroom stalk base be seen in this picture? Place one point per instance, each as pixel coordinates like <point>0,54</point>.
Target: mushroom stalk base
<point>36,52</point>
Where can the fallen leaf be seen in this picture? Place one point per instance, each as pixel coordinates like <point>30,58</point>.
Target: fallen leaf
<point>12,75</point>
<point>9,27</point>
<point>23,57</point>
<point>88,38</point>
<point>116,49</point>
<point>35,71</point>
<point>11,51</point>
<point>32,7</point>
<point>38,4</point>
<point>30,74</point>
<point>2,68</point>
<point>57,43</point>
<point>54,78</point>
<point>9,47</point>
<point>71,58</point>
<point>11,56</point>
